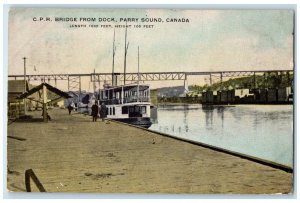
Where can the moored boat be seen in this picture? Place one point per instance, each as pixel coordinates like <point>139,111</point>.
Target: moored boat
<point>128,103</point>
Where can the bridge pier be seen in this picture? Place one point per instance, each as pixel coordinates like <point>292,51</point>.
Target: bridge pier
<point>221,82</point>
<point>68,83</point>
<point>74,84</point>
<point>254,80</point>
<point>186,86</point>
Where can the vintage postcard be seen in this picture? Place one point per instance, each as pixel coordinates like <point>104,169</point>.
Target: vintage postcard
<point>150,101</point>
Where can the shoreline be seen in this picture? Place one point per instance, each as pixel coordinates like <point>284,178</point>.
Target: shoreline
<point>216,105</point>
<point>266,162</point>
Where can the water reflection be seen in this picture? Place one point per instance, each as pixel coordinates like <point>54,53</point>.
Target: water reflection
<point>208,110</point>
<point>185,118</point>
<point>220,111</point>
<point>265,131</point>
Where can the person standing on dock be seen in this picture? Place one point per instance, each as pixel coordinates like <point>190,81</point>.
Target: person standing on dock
<point>70,109</point>
<point>95,111</point>
<point>103,112</point>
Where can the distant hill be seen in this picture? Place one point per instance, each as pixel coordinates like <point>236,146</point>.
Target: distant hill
<point>272,80</point>
<point>268,81</point>
<point>177,91</point>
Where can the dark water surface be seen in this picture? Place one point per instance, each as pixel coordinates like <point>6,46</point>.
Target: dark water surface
<point>264,131</point>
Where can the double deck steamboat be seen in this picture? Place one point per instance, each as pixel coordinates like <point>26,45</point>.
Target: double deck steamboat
<point>128,103</point>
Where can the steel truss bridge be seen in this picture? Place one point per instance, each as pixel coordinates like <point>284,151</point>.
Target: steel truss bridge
<point>74,80</point>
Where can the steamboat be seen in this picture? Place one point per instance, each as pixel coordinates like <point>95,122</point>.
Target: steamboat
<point>128,103</point>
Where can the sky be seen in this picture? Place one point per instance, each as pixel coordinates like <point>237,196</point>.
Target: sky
<point>211,40</point>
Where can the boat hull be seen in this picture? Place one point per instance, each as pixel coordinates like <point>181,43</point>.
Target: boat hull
<point>142,122</point>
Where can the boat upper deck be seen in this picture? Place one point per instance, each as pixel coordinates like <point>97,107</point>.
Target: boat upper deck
<point>125,94</point>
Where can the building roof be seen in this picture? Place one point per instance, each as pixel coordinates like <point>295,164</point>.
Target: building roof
<point>16,86</point>
<point>40,87</point>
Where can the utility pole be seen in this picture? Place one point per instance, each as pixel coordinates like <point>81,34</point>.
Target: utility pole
<point>138,83</point>
<point>79,96</point>
<point>24,84</point>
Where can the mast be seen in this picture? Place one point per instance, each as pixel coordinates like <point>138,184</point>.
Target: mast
<point>113,63</point>
<point>25,89</point>
<point>126,48</point>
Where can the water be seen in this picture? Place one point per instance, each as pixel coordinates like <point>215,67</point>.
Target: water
<point>264,131</point>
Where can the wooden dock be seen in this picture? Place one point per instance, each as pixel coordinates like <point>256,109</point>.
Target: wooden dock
<point>73,154</point>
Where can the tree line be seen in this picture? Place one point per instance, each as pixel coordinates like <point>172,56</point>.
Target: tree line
<point>267,80</point>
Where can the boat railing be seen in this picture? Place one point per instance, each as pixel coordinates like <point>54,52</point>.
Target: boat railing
<point>136,99</point>
<point>126,100</point>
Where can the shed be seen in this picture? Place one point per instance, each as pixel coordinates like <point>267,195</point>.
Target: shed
<point>43,89</point>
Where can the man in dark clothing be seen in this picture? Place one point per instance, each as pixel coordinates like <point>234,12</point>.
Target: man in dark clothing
<point>70,108</point>
<point>103,111</point>
<point>95,111</point>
